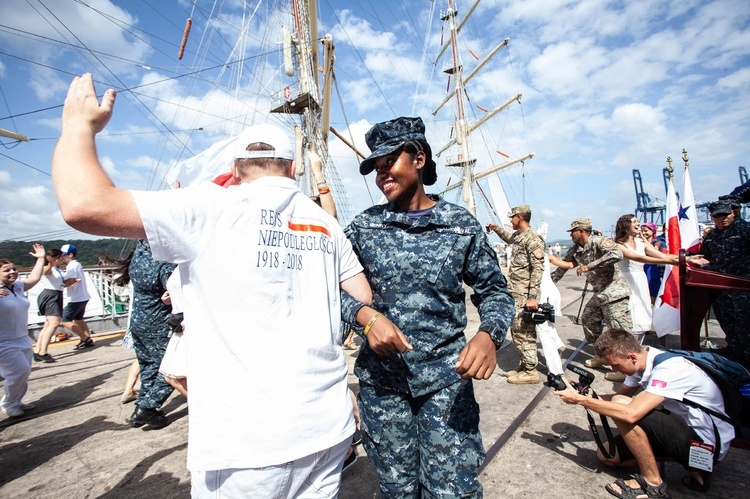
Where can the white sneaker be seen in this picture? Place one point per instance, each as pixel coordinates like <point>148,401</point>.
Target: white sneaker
<point>13,412</point>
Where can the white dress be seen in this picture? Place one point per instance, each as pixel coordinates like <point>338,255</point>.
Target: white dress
<point>640,299</point>
<point>546,332</point>
<point>174,362</point>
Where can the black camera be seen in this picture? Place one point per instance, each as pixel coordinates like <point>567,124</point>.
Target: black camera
<point>545,312</point>
<point>585,378</point>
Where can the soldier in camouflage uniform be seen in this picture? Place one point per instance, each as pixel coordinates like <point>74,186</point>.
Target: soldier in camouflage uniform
<point>597,257</point>
<point>420,420</point>
<point>526,270</point>
<point>150,331</point>
<point>727,248</point>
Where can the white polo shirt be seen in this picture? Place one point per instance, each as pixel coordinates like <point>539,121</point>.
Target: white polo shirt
<point>14,313</point>
<point>261,266</point>
<point>678,378</point>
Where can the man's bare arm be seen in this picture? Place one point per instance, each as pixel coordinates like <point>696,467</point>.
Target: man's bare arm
<point>88,199</point>
<point>358,287</point>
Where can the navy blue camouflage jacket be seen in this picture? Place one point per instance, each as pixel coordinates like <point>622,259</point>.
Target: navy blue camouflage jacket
<point>149,277</point>
<point>728,250</point>
<point>416,269</point>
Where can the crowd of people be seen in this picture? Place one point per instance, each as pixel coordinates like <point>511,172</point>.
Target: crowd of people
<point>395,276</point>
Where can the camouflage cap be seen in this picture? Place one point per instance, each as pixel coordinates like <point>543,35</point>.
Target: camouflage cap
<point>389,136</point>
<point>521,208</point>
<point>580,223</point>
<point>732,199</point>
<point>720,208</point>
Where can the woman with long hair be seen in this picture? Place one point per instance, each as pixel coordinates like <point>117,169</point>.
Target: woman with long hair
<point>635,253</point>
<point>149,328</point>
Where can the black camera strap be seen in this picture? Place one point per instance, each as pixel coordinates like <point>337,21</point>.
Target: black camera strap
<point>607,431</point>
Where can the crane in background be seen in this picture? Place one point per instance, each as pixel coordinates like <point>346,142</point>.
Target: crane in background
<point>648,209</point>
<point>652,209</point>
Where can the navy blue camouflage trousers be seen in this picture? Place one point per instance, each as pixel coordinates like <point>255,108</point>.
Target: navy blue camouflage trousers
<point>149,350</point>
<point>423,447</point>
<point>732,309</point>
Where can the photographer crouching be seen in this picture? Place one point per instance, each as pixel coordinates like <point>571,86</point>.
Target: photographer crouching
<point>655,424</point>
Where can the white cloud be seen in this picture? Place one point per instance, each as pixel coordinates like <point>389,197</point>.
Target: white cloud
<point>47,84</point>
<point>563,68</point>
<point>738,80</point>
<point>97,23</point>
<point>360,34</point>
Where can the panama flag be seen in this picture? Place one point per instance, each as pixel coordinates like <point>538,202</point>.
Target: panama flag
<point>667,307</point>
<point>688,216</point>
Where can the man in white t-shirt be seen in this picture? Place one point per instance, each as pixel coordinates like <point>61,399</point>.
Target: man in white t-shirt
<point>78,297</point>
<point>261,267</point>
<point>655,423</point>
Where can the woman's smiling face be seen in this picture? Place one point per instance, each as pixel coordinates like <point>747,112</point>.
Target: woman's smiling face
<point>398,176</point>
<point>8,274</point>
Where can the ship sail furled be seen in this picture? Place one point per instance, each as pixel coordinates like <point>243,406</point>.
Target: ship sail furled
<point>299,101</point>
<point>461,157</point>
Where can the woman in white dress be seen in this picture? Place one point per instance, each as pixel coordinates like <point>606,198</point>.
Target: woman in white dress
<point>636,252</point>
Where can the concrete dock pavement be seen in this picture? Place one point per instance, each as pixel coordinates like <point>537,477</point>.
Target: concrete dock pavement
<point>76,442</point>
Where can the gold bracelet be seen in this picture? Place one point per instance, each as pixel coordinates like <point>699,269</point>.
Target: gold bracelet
<point>369,324</point>
<point>324,190</point>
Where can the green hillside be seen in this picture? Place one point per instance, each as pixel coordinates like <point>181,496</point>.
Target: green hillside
<point>89,250</point>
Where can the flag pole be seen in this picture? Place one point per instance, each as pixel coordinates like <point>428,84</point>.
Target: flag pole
<point>706,343</point>
<point>670,168</point>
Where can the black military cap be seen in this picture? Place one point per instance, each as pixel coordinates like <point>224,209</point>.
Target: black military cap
<point>732,199</point>
<point>389,136</point>
<point>720,208</point>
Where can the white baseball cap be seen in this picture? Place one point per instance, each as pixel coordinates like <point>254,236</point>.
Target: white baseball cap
<point>267,134</point>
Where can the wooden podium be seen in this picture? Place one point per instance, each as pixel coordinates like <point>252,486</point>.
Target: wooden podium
<point>698,290</point>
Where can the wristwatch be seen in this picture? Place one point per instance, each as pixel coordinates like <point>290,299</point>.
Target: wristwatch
<point>531,297</point>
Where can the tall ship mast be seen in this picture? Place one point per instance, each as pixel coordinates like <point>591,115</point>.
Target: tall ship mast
<point>310,98</point>
<point>461,157</point>
<point>302,81</point>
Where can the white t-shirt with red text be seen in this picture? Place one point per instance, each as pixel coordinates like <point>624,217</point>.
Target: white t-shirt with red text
<point>260,265</point>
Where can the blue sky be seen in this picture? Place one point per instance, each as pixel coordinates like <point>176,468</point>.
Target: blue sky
<point>607,86</point>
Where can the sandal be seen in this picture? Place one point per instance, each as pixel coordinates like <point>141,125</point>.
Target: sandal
<point>88,342</point>
<point>350,345</point>
<point>693,484</point>
<point>644,491</point>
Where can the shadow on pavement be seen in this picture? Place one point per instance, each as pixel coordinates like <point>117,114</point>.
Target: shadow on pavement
<point>136,484</point>
<point>20,458</point>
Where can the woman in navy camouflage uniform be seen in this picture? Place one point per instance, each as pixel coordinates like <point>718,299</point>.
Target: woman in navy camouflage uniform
<point>419,417</point>
<point>150,332</point>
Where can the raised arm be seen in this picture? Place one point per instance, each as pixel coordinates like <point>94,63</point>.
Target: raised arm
<point>88,199</point>
<point>501,232</point>
<point>36,273</point>
<point>324,191</point>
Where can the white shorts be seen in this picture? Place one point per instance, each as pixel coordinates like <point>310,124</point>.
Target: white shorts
<point>315,476</point>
